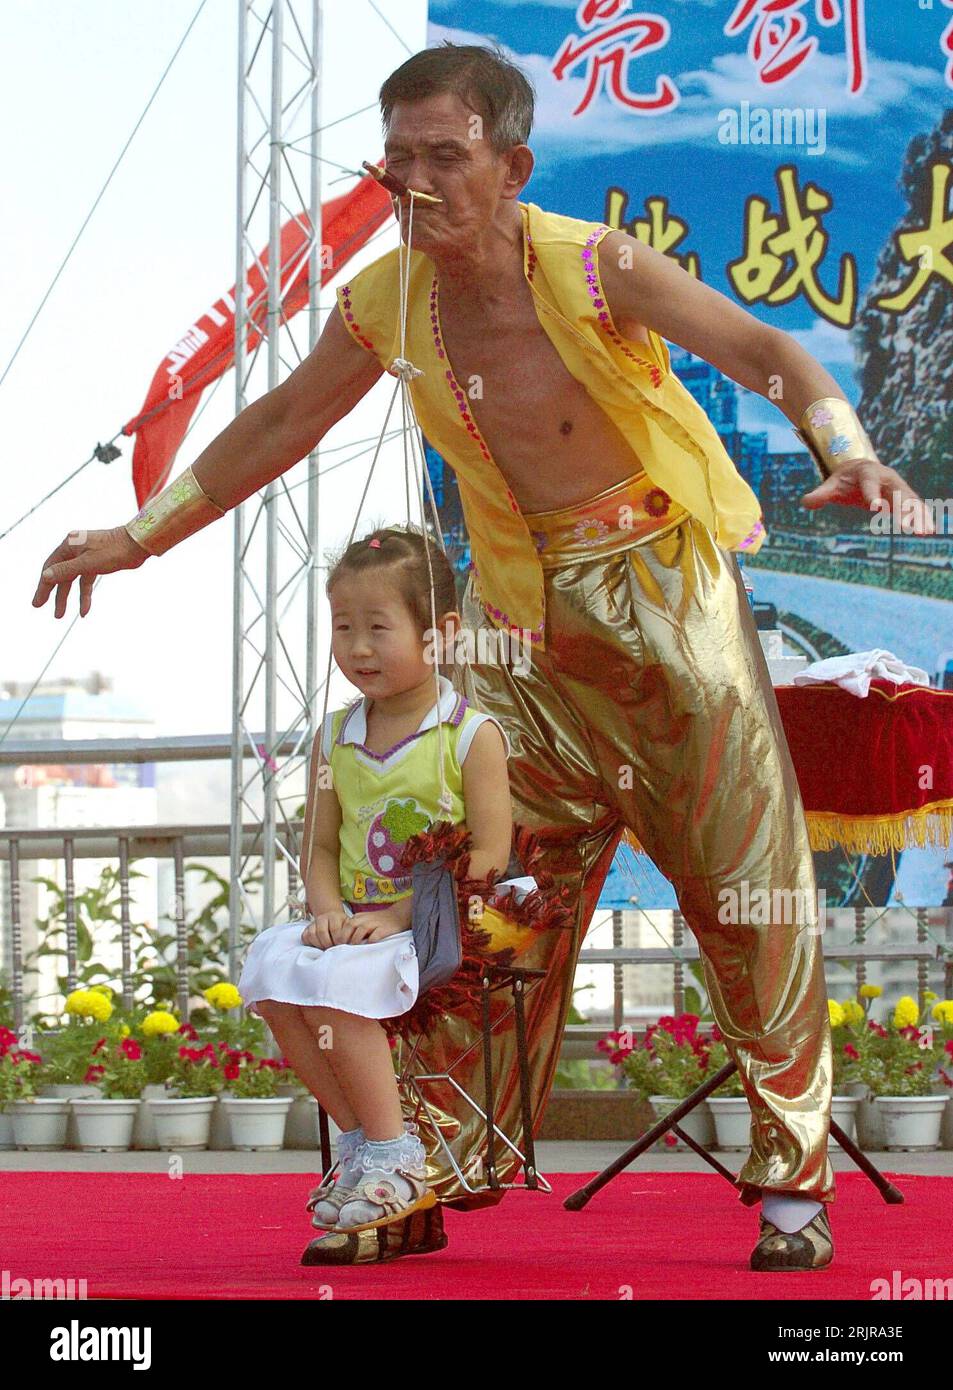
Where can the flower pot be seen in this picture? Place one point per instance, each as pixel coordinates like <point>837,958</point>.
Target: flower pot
<point>220,1134</point>
<point>870,1124</point>
<point>732,1122</point>
<point>844,1112</point>
<point>70,1091</point>
<point>40,1123</point>
<point>946,1126</point>
<point>257,1124</point>
<point>698,1123</point>
<point>6,1131</point>
<point>105,1126</point>
<point>301,1126</point>
<point>911,1122</point>
<point>144,1127</point>
<point>182,1122</point>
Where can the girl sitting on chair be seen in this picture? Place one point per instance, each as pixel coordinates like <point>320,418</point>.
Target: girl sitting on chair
<point>323,990</point>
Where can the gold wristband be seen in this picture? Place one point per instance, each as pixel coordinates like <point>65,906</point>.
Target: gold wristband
<point>179,510</point>
<point>834,435</point>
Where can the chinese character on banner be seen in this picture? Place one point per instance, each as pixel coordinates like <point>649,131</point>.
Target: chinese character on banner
<point>927,247</point>
<point>777,45</point>
<point>946,46</point>
<point>797,236</point>
<point>609,49</point>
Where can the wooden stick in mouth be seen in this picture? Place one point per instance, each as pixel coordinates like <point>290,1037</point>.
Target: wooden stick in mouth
<point>394,185</point>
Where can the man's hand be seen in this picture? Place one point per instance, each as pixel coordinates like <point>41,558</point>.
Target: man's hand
<point>870,484</point>
<point>84,555</point>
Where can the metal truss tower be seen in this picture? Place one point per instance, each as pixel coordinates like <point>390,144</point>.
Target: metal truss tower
<point>275,609</point>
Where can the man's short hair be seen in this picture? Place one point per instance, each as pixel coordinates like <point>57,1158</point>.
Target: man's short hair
<point>483,78</point>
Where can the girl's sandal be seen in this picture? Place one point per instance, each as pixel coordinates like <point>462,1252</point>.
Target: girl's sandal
<point>332,1198</point>
<point>382,1192</point>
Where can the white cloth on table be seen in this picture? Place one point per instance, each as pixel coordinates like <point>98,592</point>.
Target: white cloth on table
<point>376,979</point>
<point>856,670</point>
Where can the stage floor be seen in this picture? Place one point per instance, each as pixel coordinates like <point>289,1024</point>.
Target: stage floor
<point>648,1235</point>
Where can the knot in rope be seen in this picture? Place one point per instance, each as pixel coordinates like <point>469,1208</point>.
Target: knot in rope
<point>404,369</point>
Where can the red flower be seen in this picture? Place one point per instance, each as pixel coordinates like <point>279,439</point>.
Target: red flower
<point>188,1031</point>
<point>232,1070</point>
<point>99,1047</point>
<point>948,1047</point>
<point>851,1051</point>
<point>911,1033</point>
<point>131,1048</point>
<point>92,1075</point>
<point>877,1028</point>
<point>656,502</point>
<point>671,1140</point>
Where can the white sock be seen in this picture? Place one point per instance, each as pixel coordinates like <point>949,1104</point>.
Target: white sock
<point>789,1211</point>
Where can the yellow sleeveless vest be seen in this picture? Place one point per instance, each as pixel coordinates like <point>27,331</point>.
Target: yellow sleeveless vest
<point>672,436</point>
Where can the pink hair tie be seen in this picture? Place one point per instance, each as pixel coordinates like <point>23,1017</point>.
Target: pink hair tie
<point>376,543</point>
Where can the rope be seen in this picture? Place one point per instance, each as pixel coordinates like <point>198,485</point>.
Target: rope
<point>414,465</point>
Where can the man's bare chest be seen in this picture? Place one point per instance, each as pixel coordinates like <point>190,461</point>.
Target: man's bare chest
<point>549,438</point>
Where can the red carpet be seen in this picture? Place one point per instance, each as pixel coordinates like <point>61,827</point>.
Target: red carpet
<point>673,1236</point>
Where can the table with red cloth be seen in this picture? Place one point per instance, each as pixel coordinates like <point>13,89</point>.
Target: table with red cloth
<point>875,772</point>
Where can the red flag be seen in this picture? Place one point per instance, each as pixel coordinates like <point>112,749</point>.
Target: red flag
<point>207,350</point>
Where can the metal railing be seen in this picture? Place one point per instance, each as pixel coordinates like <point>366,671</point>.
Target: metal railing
<point>175,843</point>
<point>126,844</point>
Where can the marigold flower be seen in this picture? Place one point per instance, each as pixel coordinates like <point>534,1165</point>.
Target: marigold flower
<point>89,1003</point>
<point>835,1013</point>
<point>906,1013</point>
<point>853,1012</point>
<point>871,991</point>
<point>222,996</point>
<point>159,1023</point>
<point>943,1012</point>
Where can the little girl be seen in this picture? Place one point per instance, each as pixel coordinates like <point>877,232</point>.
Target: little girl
<point>322,990</point>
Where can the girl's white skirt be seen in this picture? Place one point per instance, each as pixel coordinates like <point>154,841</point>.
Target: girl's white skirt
<point>377,979</point>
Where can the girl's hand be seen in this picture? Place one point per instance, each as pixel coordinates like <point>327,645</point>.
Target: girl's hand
<point>328,929</point>
<point>376,926</point>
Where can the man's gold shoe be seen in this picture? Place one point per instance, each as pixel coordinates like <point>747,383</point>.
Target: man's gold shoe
<point>421,1233</point>
<point>812,1247</point>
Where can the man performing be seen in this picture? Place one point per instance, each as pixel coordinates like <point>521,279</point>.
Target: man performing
<point>601,508</point>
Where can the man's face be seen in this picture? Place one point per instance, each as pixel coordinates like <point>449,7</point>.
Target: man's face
<point>437,146</point>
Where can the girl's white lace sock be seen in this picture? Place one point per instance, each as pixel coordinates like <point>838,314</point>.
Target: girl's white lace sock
<point>381,1162</point>
<point>349,1141</point>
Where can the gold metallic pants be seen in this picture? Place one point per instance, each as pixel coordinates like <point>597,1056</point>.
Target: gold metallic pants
<point>652,708</point>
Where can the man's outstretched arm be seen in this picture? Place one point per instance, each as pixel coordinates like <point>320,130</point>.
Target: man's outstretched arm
<point>644,287</point>
<point>266,439</point>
